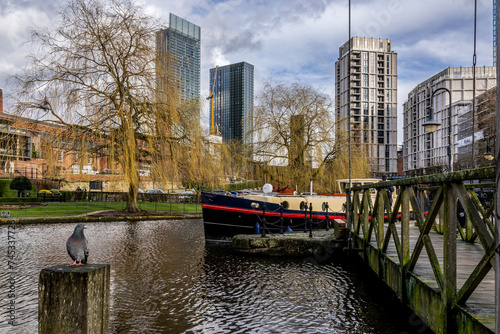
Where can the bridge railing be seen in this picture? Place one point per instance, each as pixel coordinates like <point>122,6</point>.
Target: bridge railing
<point>431,201</point>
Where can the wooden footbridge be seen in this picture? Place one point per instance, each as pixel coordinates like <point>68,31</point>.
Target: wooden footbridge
<point>438,262</point>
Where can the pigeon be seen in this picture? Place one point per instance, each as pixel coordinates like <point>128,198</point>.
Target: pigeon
<point>77,246</point>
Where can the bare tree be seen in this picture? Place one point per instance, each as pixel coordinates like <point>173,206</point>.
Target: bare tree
<point>95,75</point>
<point>294,128</point>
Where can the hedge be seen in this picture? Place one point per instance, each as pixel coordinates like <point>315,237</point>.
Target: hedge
<point>19,200</point>
<point>5,190</point>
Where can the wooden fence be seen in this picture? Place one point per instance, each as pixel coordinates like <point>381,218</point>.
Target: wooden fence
<point>452,204</point>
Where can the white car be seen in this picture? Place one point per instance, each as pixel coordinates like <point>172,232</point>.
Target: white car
<point>154,191</point>
<point>186,195</point>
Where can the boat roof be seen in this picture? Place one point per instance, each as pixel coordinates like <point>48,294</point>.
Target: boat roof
<point>363,180</point>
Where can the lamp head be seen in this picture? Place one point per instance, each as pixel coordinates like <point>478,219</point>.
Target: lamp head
<point>431,125</point>
<point>489,156</point>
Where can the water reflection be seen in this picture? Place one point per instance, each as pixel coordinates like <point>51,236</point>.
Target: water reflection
<point>164,280</point>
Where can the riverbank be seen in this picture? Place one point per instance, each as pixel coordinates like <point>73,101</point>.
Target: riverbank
<point>102,216</point>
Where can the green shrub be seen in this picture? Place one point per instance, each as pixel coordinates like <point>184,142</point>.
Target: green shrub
<point>55,191</point>
<point>19,200</point>
<point>6,191</point>
<point>21,183</point>
<point>66,195</point>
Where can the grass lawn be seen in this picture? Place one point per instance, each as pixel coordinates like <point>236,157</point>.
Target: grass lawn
<point>78,208</point>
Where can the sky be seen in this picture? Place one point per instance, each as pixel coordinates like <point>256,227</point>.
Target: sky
<point>294,40</point>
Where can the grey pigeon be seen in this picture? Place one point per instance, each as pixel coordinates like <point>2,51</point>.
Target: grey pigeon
<point>77,246</point>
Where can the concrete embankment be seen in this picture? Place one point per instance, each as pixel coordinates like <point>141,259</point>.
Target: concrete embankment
<point>323,243</point>
<point>88,218</point>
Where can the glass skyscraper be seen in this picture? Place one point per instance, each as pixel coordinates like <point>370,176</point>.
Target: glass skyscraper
<point>181,43</point>
<point>233,101</point>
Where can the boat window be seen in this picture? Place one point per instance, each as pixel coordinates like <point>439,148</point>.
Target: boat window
<point>285,204</point>
<point>302,205</point>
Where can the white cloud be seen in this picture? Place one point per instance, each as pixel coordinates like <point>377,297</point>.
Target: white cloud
<point>292,40</point>
<point>13,46</point>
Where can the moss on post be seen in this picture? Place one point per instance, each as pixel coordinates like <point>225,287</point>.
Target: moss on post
<point>74,299</point>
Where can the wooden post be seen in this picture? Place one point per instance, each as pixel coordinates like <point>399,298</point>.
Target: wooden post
<point>449,227</point>
<point>405,240</point>
<point>497,194</point>
<point>380,219</point>
<point>421,202</point>
<point>365,215</point>
<point>405,227</point>
<point>74,299</point>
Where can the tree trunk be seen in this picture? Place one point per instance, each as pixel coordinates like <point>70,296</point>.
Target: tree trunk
<point>130,166</point>
<point>132,199</point>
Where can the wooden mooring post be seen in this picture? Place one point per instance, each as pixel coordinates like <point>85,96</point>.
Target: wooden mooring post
<point>74,299</point>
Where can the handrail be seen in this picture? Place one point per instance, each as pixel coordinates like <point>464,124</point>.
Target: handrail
<point>459,176</point>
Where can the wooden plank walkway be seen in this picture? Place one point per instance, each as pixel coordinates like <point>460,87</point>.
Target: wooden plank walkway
<point>482,301</point>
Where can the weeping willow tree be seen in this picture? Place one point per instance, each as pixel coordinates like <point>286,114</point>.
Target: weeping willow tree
<point>293,131</point>
<point>95,76</point>
<point>337,167</point>
<point>295,142</point>
<point>200,166</point>
<point>237,164</point>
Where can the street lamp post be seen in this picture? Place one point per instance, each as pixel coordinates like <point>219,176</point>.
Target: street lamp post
<point>431,125</point>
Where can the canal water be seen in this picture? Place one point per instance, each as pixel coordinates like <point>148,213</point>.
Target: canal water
<point>164,279</point>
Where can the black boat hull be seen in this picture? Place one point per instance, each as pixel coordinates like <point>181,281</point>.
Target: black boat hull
<point>225,216</point>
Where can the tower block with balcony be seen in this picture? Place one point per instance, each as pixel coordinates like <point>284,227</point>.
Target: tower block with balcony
<point>370,80</point>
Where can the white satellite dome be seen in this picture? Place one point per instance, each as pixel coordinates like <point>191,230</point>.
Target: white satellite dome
<point>267,188</point>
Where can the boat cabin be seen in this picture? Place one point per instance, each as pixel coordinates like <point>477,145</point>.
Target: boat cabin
<point>344,183</point>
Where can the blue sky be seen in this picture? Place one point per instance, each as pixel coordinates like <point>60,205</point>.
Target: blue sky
<point>290,40</point>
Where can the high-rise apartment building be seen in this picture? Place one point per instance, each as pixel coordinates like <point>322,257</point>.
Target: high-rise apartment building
<point>484,132</point>
<point>369,84</point>
<point>425,152</point>
<point>233,101</point>
<point>178,48</point>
